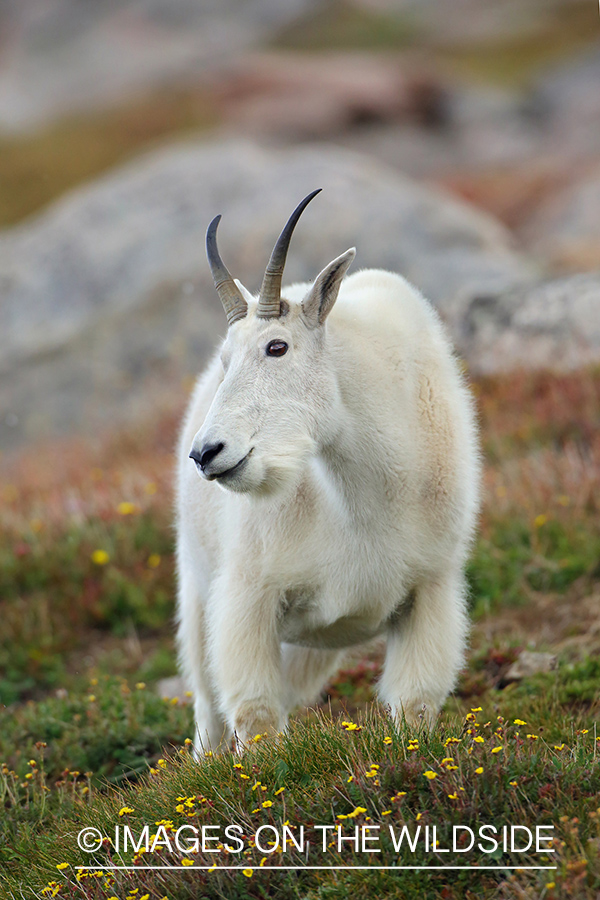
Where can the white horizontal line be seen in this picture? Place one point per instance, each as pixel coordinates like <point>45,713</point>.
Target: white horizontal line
<point>299,868</point>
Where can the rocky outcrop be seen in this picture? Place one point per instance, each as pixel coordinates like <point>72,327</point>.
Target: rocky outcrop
<point>554,325</point>
<point>298,96</point>
<point>109,290</point>
<point>565,229</point>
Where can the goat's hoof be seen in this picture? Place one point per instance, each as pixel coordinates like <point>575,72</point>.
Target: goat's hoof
<point>252,723</point>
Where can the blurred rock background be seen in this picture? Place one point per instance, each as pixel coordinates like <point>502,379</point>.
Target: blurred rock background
<point>460,146</point>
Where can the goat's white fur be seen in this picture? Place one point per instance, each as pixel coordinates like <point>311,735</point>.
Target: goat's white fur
<point>351,518</point>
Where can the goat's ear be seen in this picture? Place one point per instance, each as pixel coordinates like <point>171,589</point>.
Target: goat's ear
<point>319,301</point>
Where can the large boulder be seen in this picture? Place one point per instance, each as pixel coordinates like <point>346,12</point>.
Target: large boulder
<point>551,325</point>
<point>108,290</point>
<point>568,97</point>
<point>565,229</point>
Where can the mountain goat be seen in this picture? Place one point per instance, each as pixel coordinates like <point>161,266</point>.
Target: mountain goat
<point>343,447</point>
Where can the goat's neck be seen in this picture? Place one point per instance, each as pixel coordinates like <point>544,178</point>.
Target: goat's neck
<point>352,463</point>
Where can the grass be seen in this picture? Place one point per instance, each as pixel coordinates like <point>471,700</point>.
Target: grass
<point>504,59</point>
<point>479,768</point>
<point>86,587</point>
<point>341,25</point>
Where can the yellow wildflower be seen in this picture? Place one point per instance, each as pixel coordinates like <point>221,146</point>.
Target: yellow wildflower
<point>356,812</point>
<point>479,770</point>
<point>125,810</point>
<point>187,862</point>
<point>100,557</point>
<point>430,775</point>
<point>126,509</point>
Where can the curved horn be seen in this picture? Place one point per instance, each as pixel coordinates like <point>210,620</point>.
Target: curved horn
<point>269,302</point>
<point>229,294</point>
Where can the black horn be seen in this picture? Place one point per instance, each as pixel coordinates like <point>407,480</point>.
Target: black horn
<point>269,302</point>
<point>229,294</point>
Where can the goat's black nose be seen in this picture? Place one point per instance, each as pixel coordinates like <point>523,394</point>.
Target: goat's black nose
<point>206,455</point>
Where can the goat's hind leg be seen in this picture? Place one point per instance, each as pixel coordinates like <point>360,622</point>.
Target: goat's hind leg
<point>425,650</point>
<point>211,731</point>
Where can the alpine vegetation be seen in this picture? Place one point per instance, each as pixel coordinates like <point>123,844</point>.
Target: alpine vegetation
<point>328,489</point>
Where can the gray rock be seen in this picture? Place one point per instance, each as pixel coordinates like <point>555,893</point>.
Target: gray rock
<point>530,663</point>
<point>568,97</point>
<point>61,56</point>
<point>554,324</point>
<point>485,128</point>
<point>565,230</point>
<point>109,290</point>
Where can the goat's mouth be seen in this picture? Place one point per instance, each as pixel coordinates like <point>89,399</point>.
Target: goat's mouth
<point>234,470</point>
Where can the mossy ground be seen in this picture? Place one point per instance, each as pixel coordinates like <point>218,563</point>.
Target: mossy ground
<point>86,587</point>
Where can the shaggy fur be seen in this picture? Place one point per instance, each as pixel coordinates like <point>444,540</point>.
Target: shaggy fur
<point>350,518</point>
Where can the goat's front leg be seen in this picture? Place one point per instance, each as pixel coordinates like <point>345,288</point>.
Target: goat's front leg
<point>211,730</point>
<point>246,656</point>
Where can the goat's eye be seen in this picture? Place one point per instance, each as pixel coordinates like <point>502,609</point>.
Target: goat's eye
<point>277,348</point>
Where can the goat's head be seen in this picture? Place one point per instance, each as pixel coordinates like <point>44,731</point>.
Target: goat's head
<point>278,400</point>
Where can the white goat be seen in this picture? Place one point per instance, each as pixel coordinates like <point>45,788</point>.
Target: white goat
<point>344,443</point>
